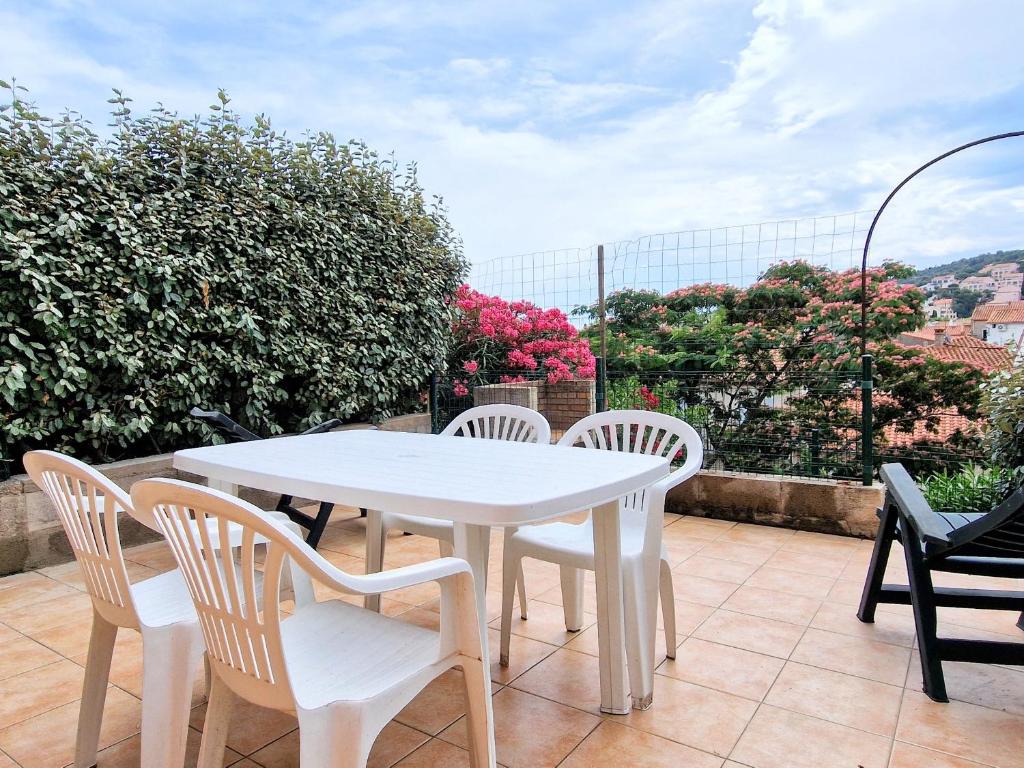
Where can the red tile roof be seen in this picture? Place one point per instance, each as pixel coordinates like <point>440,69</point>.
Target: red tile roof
<point>946,426</point>
<point>992,312</point>
<point>971,351</point>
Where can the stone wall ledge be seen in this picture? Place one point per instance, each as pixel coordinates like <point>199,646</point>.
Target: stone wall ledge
<point>825,506</point>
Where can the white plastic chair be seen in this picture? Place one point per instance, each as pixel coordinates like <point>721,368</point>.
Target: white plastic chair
<point>571,545</point>
<point>343,670</point>
<point>159,608</point>
<point>488,422</point>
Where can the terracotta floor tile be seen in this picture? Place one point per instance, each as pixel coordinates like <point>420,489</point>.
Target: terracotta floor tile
<point>567,677</point>
<point>437,754</point>
<point>75,608</point>
<point>6,762</point>
<point>48,740</point>
<point>823,544</point>
<point>777,738</point>
<point>689,616</point>
<point>769,604</point>
<point>752,633</point>
<point>696,589</point>
<point>437,706</point>
<point>586,641</point>
<point>127,753</point>
<point>31,592</point>
<point>909,756</point>
<point>156,555</point>
<point>553,596</point>
<point>854,656</point>
<point>965,730</point>
<point>987,685</point>
<point>738,552</point>
<point>694,529</point>
<point>530,731</point>
<point>252,727</point>
<point>394,742</point>
<point>758,535</point>
<point>714,568</point>
<point>546,624</point>
<point>887,627</point>
<point>863,704</point>
<point>1002,622</point>
<point>21,654</point>
<point>733,670</point>
<point>39,690</point>
<point>613,745</point>
<point>790,582</point>
<point>699,717</point>
<point>523,654</point>
<point>829,566</point>
<point>679,550</point>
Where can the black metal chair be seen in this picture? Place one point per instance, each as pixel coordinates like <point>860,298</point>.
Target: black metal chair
<point>234,432</point>
<point>989,544</point>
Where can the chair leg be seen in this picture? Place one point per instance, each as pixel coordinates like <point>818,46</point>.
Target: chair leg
<point>376,538</point>
<point>668,608</point>
<point>510,566</point>
<point>170,656</point>
<point>337,736</point>
<point>215,728</point>
<point>922,596</point>
<point>640,597</point>
<point>316,530</point>
<point>879,561</point>
<point>521,585</point>
<point>572,597</point>
<point>94,691</point>
<point>479,730</point>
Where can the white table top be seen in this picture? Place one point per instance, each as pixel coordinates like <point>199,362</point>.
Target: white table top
<point>489,482</point>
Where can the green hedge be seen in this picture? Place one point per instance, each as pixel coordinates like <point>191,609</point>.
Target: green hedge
<point>206,261</point>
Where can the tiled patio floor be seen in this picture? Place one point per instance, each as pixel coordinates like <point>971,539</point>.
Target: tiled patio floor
<point>773,670</point>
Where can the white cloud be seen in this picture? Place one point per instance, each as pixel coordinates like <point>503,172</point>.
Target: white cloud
<point>552,126</point>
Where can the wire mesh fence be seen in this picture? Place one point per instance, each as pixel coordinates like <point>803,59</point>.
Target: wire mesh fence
<point>773,412</point>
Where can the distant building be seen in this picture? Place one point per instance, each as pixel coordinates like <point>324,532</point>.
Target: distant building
<point>978,284</point>
<point>998,323</point>
<point>939,309</point>
<point>1005,273</point>
<point>939,282</point>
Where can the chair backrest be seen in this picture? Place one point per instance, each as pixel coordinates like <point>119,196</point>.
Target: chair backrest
<point>649,432</point>
<point>241,623</point>
<point>501,422</point>
<point>88,504</point>
<point>1000,533</point>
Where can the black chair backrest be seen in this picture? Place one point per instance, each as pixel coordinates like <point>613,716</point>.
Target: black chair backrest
<point>1000,533</point>
<point>224,426</point>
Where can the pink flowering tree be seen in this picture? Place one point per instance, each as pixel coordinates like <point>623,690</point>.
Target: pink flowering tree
<point>495,340</point>
<point>772,369</point>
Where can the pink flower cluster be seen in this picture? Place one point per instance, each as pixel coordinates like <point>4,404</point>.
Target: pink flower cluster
<point>517,335</point>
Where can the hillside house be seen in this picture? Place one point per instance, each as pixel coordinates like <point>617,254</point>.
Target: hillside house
<point>998,323</point>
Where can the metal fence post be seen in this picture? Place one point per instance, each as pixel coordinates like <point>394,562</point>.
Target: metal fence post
<point>602,382</point>
<point>435,416</point>
<point>867,427</point>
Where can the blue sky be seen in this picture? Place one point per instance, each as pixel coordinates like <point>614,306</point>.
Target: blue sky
<point>553,124</point>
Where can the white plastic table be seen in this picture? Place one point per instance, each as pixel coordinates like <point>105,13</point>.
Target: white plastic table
<point>475,483</point>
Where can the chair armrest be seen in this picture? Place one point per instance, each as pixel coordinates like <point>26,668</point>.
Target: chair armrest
<point>225,425</point>
<point>313,563</point>
<point>928,523</point>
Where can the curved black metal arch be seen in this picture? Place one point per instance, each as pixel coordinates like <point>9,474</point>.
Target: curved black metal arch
<point>878,215</point>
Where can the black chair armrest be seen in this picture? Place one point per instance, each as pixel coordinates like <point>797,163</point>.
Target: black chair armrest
<point>224,425</point>
<point>928,523</point>
<point>327,426</point>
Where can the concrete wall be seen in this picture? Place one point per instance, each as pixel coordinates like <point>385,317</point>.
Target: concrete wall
<point>826,506</point>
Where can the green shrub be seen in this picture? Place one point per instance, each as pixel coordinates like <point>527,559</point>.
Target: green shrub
<point>1003,403</point>
<point>184,262</point>
<point>971,489</point>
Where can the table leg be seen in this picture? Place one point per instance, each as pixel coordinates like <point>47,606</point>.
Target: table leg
<point>473,544</point>
<point>611,636</point>
<point>374,552</point>
<point>222,485</point>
